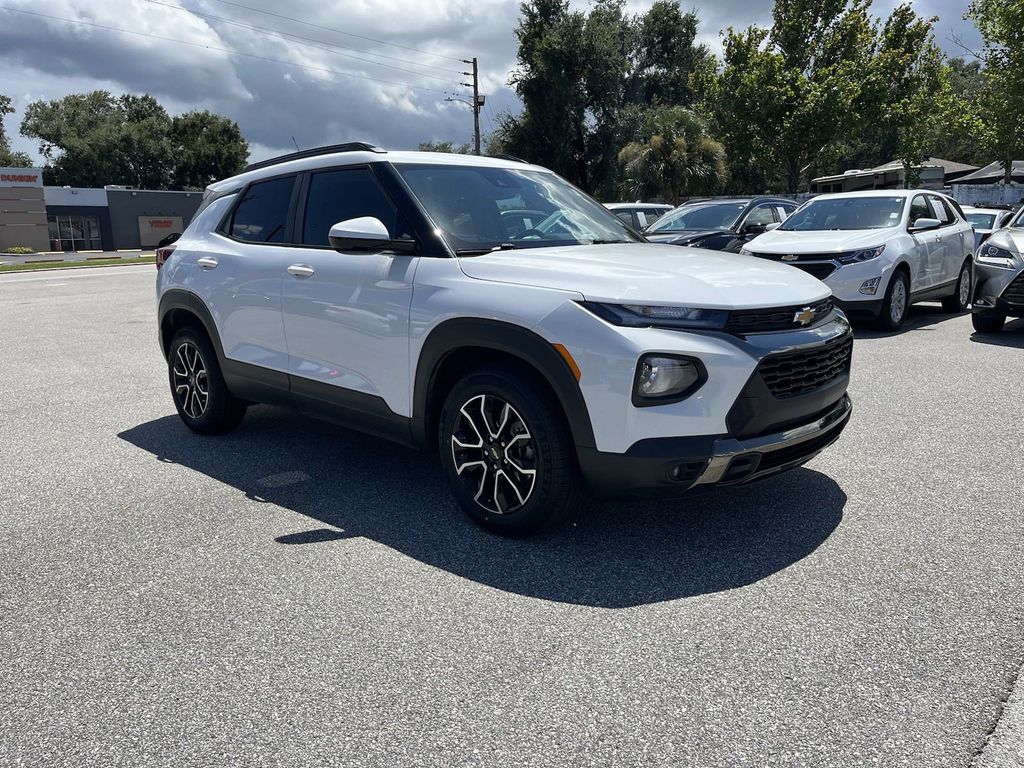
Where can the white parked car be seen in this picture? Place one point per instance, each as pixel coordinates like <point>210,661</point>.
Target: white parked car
<point>384,291</point>
<point>986,221</point>
<point>879,251</point>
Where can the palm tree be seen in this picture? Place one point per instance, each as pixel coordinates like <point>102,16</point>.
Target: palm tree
<point>675,159</point>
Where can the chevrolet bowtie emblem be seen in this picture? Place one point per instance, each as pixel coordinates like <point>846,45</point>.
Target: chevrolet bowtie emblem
<point>790,257</point>
<point>804,316</point>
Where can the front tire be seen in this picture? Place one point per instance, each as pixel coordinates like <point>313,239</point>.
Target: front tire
<point>507,453</point>
<point>896,304</point>
<point>988,322</point>
<point>197,385</point>
<point>961,298</point>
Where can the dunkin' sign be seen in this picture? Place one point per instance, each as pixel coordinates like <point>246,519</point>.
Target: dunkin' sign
<point>21,177</point>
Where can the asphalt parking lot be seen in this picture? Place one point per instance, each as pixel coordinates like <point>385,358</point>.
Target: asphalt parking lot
<point>297,594</point>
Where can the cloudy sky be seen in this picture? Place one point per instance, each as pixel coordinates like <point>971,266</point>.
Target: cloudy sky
<point>329,81</point>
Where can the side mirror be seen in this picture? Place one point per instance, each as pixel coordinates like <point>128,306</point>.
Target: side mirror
<point>773,225</point>
<point>367,234</point>
<point>924,223</point>
<point>754,228</point>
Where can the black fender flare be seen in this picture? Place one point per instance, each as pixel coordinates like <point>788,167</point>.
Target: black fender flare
<point>452,335</point>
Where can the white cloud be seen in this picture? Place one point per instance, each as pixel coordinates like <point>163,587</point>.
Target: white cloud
<point>316,94</point>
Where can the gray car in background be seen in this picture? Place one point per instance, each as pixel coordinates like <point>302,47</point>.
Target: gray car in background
<point>999,277</point>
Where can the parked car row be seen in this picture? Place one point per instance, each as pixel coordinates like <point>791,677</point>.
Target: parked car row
<point>879,251</point>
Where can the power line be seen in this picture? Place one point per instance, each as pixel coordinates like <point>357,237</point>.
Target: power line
<point>316,43</point>
<point>339,31</point>
<point>229,51</point>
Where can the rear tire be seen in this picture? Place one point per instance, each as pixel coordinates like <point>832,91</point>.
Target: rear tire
<point>988,322</point>
<point>896,304</point>
<point>508,454</point>
<point>960,300</point>
<point>197,385</point>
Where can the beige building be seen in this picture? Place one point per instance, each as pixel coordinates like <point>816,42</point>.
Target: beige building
<point>23,209</point>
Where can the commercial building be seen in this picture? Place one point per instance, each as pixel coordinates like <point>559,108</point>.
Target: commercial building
<point>81,219</point>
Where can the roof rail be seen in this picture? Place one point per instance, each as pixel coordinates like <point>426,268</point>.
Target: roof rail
<point>352,146</point>
<point>513,158</point>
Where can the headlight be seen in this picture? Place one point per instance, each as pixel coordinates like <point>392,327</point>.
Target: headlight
<point>653,316</point>
<point>994,256</point>
<point>662,379</point>
<point>865,254</point>
<point>745,252</point>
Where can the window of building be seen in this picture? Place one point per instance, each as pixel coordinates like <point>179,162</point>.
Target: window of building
<point>74,233</point>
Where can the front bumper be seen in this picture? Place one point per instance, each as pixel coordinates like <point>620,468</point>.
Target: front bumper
<point>857,310</point>
<point>995,291</point>
<point>671,466</point>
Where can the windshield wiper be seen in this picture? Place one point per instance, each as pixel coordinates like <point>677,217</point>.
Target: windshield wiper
<point>607,242</point>
<point>482,251</point>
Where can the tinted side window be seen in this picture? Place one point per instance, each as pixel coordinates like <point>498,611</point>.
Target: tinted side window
<point>262,215</point>
<point>919,209</point>
<point>625,216</point>
<point>346,194</point>
<point>760,216</point>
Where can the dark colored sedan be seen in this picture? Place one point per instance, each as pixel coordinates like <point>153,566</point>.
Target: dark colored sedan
<point>720,225</point>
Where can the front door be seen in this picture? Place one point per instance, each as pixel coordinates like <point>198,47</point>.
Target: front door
<point>346,315</point>
<point>928,246</point>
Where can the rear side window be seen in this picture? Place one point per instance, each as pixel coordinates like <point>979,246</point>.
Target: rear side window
<point>346,194</point>
<point>262,215</point>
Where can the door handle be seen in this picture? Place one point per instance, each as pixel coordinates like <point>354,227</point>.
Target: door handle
<point>207,262</point>
<point>300,270</point>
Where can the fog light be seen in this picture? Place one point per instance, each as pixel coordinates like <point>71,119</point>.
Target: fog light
<point>664,378</point>
<point>870,287</point>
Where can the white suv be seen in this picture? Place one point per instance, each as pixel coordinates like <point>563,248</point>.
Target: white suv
<point>879,251</point>
<point>387,291</point>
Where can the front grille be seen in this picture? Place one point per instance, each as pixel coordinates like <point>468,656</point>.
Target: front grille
<point>820,270</point>
<point>791,453</point>
<point>746,321</point>
<point>799,257</point>
<point>1014,293</point>
<point>796,373</point>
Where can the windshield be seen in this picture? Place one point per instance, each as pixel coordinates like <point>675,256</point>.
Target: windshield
<point>700,216</point>
<point>846,213</point>
<point>981,220</point>
<point>479,209</point>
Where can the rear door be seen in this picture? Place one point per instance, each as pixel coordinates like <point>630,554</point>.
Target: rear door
<point>346,315</point>
<point>239,276</point>
<point>953,245</point>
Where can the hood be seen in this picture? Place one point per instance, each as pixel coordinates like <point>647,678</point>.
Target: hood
<point>1011,238</point>
<point>649,272</point>
<point>682,236</point>
<point>827,241</point>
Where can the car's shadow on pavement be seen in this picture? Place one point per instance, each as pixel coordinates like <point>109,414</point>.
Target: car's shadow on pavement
<point>920,318</point>
<point>616,555</point>
<point>1012,335</point>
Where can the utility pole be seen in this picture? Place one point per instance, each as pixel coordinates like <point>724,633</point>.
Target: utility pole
<point>478,101</point>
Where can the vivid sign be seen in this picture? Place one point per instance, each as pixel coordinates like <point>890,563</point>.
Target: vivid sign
<point>21,177</point>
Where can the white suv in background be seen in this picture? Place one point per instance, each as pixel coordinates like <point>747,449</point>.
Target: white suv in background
<point>385,291</point>
<point>879,251</point>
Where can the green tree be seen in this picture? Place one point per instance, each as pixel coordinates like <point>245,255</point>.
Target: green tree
<point>446,146</point>
<point>92,139</point>
<point>1001,102</point>
<point>675,159</point>
<point>667,55</point>
<point>956,130</point>
<point>785,94</point>
<point>205,147</point>
<point>8,157</point>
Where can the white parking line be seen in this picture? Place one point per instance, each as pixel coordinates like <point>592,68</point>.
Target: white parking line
<point>77,274</point>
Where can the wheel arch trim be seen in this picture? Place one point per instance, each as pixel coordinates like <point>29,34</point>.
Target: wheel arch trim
<point>451,336</point>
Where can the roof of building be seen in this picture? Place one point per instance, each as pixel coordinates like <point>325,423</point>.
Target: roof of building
<point>893,166</point>
<point>992,173</point>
